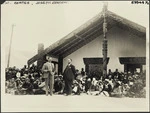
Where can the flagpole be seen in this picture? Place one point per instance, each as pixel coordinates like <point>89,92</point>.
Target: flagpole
<point>10,46</point>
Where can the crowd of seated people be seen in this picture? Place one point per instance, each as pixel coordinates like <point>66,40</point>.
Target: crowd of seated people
<point>116,84</point>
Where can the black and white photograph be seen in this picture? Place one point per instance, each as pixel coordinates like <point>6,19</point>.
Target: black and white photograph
<point>75,56</point>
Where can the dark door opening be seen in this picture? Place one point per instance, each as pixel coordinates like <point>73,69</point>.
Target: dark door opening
<point>94,67</point>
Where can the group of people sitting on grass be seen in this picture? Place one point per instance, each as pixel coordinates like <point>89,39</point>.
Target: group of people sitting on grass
<point>115,84</point>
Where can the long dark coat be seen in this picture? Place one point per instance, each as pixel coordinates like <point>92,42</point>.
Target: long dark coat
<point>69,72</point>
<point>68,76</point>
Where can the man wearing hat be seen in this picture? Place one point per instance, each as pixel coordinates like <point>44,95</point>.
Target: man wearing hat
<point>48,74</point>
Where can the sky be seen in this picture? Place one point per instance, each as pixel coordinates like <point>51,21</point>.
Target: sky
<point>39,23</point>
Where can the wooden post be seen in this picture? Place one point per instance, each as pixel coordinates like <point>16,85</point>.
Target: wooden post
<point>60,65</point>
<point>141,68</point>
<point>104,58</point>
<point>104,41</point>
<point>125,67</point>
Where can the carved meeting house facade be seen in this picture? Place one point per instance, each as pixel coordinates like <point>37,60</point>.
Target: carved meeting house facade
<point>126,46</point>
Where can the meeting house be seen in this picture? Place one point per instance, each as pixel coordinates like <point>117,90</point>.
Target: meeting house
<point>126,46</point>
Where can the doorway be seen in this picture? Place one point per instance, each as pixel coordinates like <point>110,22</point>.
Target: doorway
<point>94,67</point>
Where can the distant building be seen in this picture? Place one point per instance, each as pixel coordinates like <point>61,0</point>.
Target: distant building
<point>126,46</point>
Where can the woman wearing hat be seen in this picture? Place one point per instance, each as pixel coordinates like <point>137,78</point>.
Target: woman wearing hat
<point>48,74</point>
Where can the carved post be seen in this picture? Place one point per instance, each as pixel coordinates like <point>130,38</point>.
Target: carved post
<point>104,41</point>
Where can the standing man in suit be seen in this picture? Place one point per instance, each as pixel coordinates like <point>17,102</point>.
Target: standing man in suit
<point>69,75</point>
<point>48,74</point>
